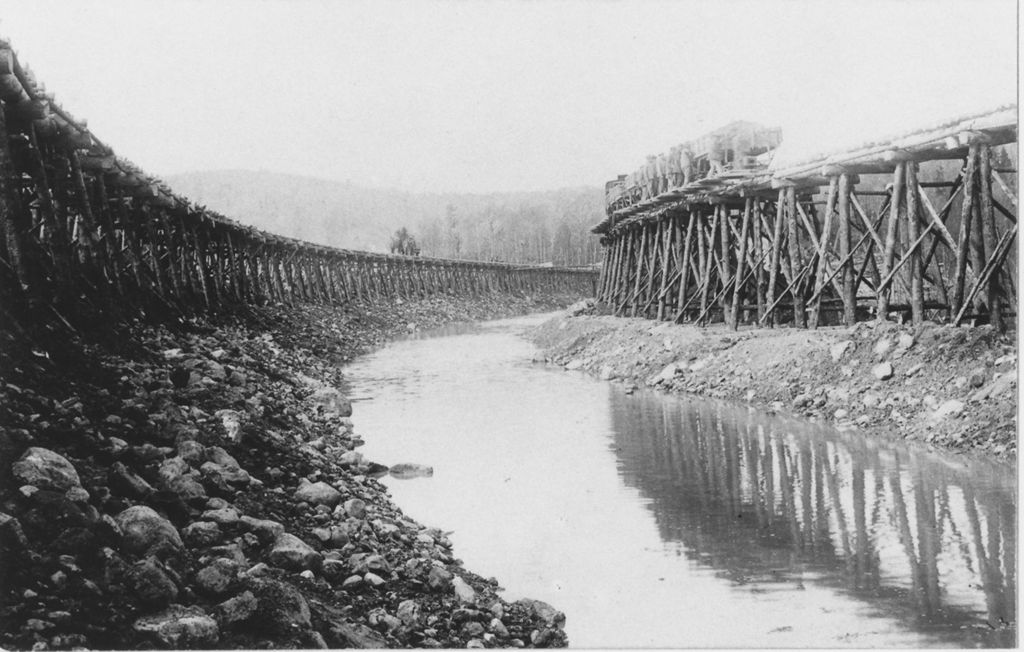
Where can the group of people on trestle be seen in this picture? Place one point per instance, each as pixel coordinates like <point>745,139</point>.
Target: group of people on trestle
<point>673,170</point>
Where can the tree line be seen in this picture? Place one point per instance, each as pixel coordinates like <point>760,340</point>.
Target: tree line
<point>541,227</point>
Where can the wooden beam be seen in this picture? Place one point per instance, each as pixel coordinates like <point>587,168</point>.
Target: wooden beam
<point>888,253</point>
<point>966,215</point>
<point>1002,249</point>
<point>748,208</point>
<point>914,253</point>
<point>819,277</point>
<point>988,220</point>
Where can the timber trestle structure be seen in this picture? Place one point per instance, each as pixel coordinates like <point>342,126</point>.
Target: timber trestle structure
<point>79,224</point>
<point>803,244</point>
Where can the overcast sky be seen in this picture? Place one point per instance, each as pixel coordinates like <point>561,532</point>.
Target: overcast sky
<point>488,96</point>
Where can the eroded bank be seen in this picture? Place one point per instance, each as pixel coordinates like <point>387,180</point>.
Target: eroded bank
<point>954,388</point>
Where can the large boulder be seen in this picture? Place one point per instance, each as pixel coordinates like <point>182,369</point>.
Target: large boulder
<point>438,578</point>
<point>224,477</point>
<point>280,607</point>
<point>882,371</point>
<point>317,493</point>
<point>237,609</point>
<point>839,349</point>
<point>331,402</point>
<point>218,577</point>
<point>582,307</point>
<point>666,375</point>
<point>544,612</point>
<point>463,591</point>
<point>143,530</point>
<point>176,476</point>
<point>150,584</point>
<point>355,507</point>
<point>202,533</point>
<point>293,553</point>
<point>45,469</point>
<point>950,408</point>
<point>126,482</point>
<point>406,471</point>
<point>179,627</point>
<point>231,421</point>
<point>265,529</point>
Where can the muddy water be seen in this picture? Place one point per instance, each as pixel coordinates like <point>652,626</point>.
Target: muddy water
<point>655,521</point>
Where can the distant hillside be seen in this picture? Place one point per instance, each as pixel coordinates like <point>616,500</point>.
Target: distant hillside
<point>535,227</point>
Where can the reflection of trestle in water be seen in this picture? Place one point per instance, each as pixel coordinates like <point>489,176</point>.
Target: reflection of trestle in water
<point>763,499</point>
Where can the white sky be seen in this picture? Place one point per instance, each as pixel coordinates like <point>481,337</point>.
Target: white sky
<point>487,96</point>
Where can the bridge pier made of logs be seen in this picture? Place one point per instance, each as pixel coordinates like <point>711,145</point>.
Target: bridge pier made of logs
<point>855,235</point>
<point>80,224</point>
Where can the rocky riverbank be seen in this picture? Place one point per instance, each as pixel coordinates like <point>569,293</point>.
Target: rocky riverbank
<point>201,487</point>
<point>954,388</point>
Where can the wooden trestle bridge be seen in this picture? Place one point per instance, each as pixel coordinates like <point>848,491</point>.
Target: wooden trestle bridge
<point>77,221</point>
<point>891,227</point>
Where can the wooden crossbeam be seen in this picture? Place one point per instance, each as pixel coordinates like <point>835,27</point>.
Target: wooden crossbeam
<point>1002,249</point>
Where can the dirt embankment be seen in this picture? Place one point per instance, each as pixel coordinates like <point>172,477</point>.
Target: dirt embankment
<point>950,387</point>
<point>202,488</point>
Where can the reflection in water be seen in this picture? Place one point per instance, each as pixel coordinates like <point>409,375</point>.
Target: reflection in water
<point>659,522</point>
<point>765,500</point>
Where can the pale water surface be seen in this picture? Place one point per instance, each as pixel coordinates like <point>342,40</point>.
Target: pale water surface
<point>653,521</point>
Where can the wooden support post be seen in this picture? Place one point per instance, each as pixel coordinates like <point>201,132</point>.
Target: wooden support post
<point>994,263</point>
<point>623,285</point>
<point>110,239</point>
<point>776,245</point>
<point>613,278</point>
<point>913,227</point>
<point>891,230</point>
<point>200,257</point>
<point>85,222</point>
<point>725,263</point>
<point>759,283</point>
<point>154,253</point>
<point>604,272</point>
<point>737,298</point>
<point>708,261</point>
<point>134,241</point>
<point>795,259</point>
<point>846,268</point>
<point>622,282</point>
<point>640,263</point>
<point>826,231</point>
<point>684,277</point>
<point>991,236</point>
<point>964,240</point>
<point>978,256</point>
<point>13,220</point>
<point>51,229</point>
<point>665,267</point>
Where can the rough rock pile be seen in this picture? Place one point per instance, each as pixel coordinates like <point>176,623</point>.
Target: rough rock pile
<point>951,387</point>
<point>202,489</point>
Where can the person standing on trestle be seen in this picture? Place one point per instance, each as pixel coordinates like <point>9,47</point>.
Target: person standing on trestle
<point>662,163</point>
<point>686,163</point>
<point>675,173</point>
<point>651,171</point>
<point>716,157</point>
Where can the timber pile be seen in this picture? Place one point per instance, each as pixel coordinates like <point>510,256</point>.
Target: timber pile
<point>754,242</point>
<point>82,224</point>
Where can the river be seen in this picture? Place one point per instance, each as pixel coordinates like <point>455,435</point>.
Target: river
<point>656,521</point>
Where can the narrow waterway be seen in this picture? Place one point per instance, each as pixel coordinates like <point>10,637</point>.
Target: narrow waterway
<point>659,522</point>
